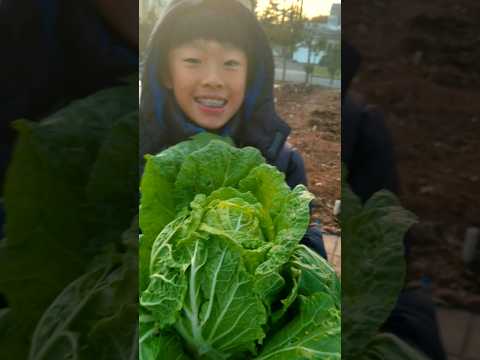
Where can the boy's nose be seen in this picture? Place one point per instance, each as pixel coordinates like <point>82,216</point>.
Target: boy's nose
<point>213,78</point>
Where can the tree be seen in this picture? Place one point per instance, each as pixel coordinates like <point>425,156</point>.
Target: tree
<point>320,19</point>
<point>314,46</point>
<point>333,60</point>
<point>284,27</point>
<point>271,20</point>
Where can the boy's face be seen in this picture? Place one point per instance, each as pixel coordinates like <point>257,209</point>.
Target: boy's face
<point>208,80</point>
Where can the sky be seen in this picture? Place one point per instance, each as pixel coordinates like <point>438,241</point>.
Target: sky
<point>311,7</point>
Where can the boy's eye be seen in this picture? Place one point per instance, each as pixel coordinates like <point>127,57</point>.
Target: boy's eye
<point>232,63</point>
<point>192,61</point>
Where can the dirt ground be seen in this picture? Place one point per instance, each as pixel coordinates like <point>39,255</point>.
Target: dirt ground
<point>422,67</point>
<point>313,113</point>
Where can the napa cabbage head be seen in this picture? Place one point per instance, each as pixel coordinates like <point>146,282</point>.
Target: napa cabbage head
<point>222,274</point>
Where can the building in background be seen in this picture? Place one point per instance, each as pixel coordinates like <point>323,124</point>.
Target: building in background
<point>319,29</point>
<point>335,17</point>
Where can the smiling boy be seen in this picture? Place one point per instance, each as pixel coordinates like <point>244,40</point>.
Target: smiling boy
<point>210,67</point>
<point>208,80</point>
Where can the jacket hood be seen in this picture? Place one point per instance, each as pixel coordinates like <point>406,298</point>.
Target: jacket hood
<point>257,124</point>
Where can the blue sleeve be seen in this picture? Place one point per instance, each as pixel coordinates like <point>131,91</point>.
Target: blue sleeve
<point>314,240</point>
<point>295,173</point>
<point>290,162</point>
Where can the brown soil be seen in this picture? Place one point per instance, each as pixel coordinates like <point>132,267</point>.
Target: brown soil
<point>422,67</point>
<point>313,114</point>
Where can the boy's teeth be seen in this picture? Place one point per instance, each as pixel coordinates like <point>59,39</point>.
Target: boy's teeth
<point>211,102</point>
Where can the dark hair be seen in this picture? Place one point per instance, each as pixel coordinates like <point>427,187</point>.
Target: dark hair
<point>207,23</point>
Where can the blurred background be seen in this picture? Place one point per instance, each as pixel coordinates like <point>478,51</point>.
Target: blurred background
<point>421,68</point>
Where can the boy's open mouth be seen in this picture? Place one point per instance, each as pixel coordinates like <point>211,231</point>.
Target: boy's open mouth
<point>211,102</point>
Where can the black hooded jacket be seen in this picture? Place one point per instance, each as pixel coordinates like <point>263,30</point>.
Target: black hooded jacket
<point>163,124</point>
